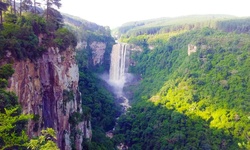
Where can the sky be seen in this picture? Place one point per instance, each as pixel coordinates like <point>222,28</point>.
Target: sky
<point>114,13</point>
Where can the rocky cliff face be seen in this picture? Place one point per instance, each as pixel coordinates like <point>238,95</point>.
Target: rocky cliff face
<point>98,50</point>
<point>48,88</point>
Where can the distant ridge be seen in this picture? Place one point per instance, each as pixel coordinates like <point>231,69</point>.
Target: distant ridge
<point>160,25</point>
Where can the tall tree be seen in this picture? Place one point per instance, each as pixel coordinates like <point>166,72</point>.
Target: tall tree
<point>14,7</point>
<point>3,7</point>
<point>25,5</point>
<point>51,3</point>
<point>20,7</point>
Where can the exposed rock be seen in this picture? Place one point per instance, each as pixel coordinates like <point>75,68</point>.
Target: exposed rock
<point>43,88</point>
<point>81,45</point>
<point>134,47</point>
<point>191,49</point>
<point>151,47</point>
<point>98,50</point>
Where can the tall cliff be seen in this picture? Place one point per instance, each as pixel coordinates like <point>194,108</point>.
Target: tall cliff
<point>48,88</point>
<point>95,40</point>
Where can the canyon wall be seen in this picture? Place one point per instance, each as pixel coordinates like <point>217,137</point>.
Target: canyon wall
<point>98,50</point>
<point>48,88</point>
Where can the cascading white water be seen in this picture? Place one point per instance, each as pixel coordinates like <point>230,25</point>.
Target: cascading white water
<point>117,76</point>
<point>117,72</point>
<point>118,65</point>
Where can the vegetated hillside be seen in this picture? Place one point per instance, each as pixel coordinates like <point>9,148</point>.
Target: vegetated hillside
<point>164,25</point>
<point>98,107</point>
<point>98,103</point>
<point>88,33</point>
<point>24,38</point>
<point>196,101</point>
<point>85,30</point>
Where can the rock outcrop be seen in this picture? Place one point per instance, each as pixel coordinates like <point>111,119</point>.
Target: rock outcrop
<point>191,49</point>
<point>48,88</point>
<point>98,50</point>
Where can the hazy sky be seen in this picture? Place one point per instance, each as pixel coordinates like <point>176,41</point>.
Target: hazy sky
<point>114,13</point>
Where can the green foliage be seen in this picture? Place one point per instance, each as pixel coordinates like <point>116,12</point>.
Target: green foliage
<point>98,107</point>
<point>44,141</point>
<point>166,25</point>
<point>36,22</point>
<point>28,36</point>
<point>20,40</point>
<point>3,7</point>
<point>188,101</point>
<point>64,38</point>
<point>236,25</point>
<point>98,100</point>
<point>99,141</point>
<point>75,118</point>
<point>88,32</point>
<point>8,100</point>
<point>6,71</point>
<point>12,122</point>
<point>10,18</point>
<point>9,135</point>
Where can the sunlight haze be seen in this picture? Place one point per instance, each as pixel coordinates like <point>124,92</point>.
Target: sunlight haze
<point>114,13</point>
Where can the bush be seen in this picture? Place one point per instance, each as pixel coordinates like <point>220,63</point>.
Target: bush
<point>6,71</point>
<point>10,18</point>
<point>64,38</point>
<point>35,21</point>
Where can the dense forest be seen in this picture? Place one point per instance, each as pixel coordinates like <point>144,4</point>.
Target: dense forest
<point>98,106</point>
<point>196,101</point>
<point>193,91</point>
<point>98,102</point>
<point>87,33</point>
<point>183,101</point>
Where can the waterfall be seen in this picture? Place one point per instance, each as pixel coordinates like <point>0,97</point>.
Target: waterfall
<point>117,76</point>
<point>118,72</point>
<point>118,65</point>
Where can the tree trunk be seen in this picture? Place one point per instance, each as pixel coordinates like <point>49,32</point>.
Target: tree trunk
<point>1,17</point>
<point>35,5</point>
<point>20,7</point>
<point>47,15</point>
<point>11,8</point>
<point>15,7</point>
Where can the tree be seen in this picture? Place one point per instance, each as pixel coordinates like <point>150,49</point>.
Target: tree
<point>14,7</point>
<point>44,141</point>
<point>49,4</point>
<point>54,20</point>
<point>3,7</point>
<point>25,5</point>
<point>9,135</point>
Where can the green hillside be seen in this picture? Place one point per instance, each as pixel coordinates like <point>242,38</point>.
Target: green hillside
<point>196,101</point>
<point>88,32</point>
<point>164,25</point>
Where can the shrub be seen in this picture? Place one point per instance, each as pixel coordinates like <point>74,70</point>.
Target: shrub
<point>64,38</point>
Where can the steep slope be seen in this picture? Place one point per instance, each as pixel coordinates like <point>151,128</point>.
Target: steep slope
<point>46,77</point>
<point>48,88</point>
<point>93,57</point>
<point>193,93</point>
<point>96,40</point>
